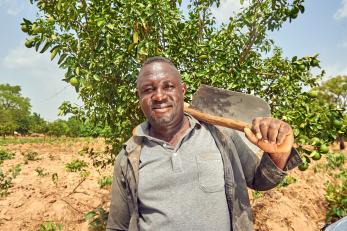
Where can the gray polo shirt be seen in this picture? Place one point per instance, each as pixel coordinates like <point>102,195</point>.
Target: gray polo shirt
<point>182,187</point>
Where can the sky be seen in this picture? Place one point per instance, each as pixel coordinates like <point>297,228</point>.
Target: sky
<point>321,29</point>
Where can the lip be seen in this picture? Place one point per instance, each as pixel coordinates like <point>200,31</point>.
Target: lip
<point>161,108</point>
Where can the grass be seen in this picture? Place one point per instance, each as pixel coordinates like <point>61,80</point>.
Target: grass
<point>50,140</point>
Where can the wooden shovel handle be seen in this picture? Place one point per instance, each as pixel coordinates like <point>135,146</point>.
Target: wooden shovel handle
<point>217,120</point>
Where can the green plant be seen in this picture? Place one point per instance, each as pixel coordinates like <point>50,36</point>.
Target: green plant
<point>336,196</point>
<point>31,156</point>
<point>76,165</point>
<point>41,171</point>
<point>55,178</point>
<point>6,179</point>
<point>15,170</point>
<point>256,194</point>
<point>5,183</point>
<point>97,219</point>
<point>5,155</point>
<point>50,226</point>
<point>287,181</point>
<point>105,181</point>
<point>335,160</point>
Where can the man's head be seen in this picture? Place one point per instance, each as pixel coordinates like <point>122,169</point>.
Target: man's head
<point>161,92</point>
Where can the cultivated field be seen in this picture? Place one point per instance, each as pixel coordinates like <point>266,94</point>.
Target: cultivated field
<point>53,188</point>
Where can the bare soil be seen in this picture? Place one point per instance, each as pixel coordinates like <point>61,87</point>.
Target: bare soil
<point>35,199</point>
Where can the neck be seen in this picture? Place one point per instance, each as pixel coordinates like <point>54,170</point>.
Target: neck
<point>171,134</point>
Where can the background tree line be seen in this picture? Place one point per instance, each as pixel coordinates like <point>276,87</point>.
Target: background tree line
<point>16,116</point>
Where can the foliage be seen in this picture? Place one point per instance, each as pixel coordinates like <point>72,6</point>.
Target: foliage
<point>97,219</point>
<point>105,181</point>
<point>13,108</point>
<point>57,128</point>
<point>6,179</point>
<point>287,181</point>
<point>31,156</point>
<point>100,159</point>
<point>76,165</point>
<point>37,124</point>
<point>334,90</point>
<point>55,178</point>
<point>15,170</point>
<point>335,160</point>
<point>101,46</point>
<point>41,171</point>
<point>50,226</point>
<point>336,196</point>
<point>5,155</point>
<point>256,194</point>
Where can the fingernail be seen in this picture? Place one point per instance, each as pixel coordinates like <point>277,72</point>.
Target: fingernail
<point>273,142</point>
<point>259,136</point>
<point>266,141</point>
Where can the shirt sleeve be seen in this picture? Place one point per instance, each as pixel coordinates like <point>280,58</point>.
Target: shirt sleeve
<point>262,174</point>
<point>119,215</point>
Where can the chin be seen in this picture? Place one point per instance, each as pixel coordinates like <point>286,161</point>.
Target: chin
<point>161,121</point>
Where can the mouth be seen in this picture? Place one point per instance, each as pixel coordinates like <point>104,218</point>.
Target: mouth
<point>160,108</point>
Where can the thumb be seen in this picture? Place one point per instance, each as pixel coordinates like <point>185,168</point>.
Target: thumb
<point>250,135</point>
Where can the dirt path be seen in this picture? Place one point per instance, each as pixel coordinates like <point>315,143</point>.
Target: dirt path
<point>35,199</point>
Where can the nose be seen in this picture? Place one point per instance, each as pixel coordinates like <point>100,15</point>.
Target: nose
<point>159,95</point>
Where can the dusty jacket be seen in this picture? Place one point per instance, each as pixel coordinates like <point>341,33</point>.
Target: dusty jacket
<point>242,168</point>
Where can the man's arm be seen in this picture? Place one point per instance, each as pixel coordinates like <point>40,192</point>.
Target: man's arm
<point>119,216</point>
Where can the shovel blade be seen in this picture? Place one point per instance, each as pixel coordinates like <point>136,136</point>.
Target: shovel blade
<point>230,104</point>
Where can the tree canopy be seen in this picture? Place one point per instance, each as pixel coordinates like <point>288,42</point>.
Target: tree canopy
<point>101,45</point>
<point>13,108</point>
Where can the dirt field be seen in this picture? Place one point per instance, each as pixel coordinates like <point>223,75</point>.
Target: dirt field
<point>35,199</point>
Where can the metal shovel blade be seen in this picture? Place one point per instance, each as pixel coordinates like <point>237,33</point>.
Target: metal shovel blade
<point>230,104</point>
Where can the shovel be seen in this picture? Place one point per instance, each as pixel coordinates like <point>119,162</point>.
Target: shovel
<point>229,109</point>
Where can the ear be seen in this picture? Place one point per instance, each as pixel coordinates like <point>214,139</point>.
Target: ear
<point>184,88</point>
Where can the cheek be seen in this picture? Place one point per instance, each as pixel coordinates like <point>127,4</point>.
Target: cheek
<point>145,104</point>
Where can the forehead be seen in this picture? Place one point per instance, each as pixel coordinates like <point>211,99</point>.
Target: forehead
<point>157,71</point>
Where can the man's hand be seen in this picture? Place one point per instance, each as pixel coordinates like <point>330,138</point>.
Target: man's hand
<point>272,136</point>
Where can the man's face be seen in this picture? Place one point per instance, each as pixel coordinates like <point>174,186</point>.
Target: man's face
<point>161,94</point>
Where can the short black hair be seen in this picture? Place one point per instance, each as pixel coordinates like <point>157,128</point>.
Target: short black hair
<point>158,59</point>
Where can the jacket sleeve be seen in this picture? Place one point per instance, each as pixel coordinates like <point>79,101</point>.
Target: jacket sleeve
<point>262,174</point>
<point>119,215</point>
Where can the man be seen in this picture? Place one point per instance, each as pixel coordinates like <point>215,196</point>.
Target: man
<point>177,173</point>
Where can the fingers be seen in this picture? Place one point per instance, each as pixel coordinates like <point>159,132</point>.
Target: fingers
<point>270,130</point>
<point>256,127</point>
<point>250,135</point>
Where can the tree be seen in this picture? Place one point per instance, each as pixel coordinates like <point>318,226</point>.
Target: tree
<point>14,108</point>
<point>101,45</point>
<point>37,124</point>
<point>334,90</point>
<point>58,128</point>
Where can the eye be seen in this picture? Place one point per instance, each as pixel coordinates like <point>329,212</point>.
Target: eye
<point>147,89</point>
<point>169,86</point>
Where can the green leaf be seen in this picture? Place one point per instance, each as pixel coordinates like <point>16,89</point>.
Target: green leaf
<point>46,46</point>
